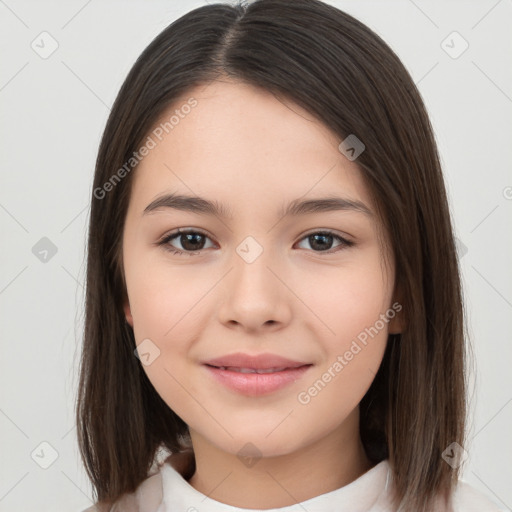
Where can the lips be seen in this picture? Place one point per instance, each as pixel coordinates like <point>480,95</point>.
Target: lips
<point>260,363</point>
<point>257,375</point>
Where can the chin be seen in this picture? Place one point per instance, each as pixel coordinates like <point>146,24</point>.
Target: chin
<point>256,445</point>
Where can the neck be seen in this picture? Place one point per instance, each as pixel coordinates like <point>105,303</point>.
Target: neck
<point>279,481</point>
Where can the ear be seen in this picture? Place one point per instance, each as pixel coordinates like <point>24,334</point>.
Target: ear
<point>128,312</point>
<point>396,324</point>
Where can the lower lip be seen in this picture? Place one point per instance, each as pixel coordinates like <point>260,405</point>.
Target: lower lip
<point>255,384</point>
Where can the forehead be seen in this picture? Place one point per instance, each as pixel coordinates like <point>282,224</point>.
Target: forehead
<point>239,142</point>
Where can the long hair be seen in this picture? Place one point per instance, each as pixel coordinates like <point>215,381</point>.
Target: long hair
<point>346,76</point>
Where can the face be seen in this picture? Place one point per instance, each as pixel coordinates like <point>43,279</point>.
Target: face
<point>311,285</point>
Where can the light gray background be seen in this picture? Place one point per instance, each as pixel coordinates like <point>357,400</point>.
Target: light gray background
<point>53,112</point>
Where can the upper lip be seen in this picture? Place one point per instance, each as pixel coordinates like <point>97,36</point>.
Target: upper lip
<point>257,362</point>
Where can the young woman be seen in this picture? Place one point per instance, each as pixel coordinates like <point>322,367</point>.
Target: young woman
<point>273,296</point>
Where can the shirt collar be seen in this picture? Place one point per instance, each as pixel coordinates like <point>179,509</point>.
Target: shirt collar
<point>361,495</point>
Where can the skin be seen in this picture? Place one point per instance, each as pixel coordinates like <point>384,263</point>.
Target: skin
<point>254,153</point>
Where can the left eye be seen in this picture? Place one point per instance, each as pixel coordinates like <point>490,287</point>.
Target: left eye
<point>323,239</point>
<point>193,241</point>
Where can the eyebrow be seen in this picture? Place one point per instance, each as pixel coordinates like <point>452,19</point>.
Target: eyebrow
<point>196,204</point>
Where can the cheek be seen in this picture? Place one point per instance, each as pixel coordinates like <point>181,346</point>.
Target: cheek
<point>164,302</point>
<point>348,299</point>
<point>352,352</point>
<point>168,309</point>
<point>352,303</point>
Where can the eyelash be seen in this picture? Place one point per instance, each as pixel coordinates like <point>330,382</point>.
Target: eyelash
<point>167,238</point>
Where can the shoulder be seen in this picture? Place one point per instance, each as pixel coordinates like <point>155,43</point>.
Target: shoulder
<point>149,494</point>
<point>468,499</point>
<point>147,498</point>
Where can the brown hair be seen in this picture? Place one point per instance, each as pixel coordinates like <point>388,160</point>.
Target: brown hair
<point>347,76</point>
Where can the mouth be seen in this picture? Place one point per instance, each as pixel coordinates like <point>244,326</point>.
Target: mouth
<point>256,381</point>
<point>242,361</point>
<point>255,370</point>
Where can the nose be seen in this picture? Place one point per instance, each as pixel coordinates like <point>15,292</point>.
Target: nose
<point>254,296</point>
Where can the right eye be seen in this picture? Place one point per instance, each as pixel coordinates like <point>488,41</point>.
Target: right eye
<point>190,240</point>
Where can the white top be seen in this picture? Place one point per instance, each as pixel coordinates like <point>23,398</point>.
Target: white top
<point>168,491</point>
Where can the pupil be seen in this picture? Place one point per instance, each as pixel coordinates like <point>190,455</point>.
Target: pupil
<point>321,246</point>
<point>189,237</point>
